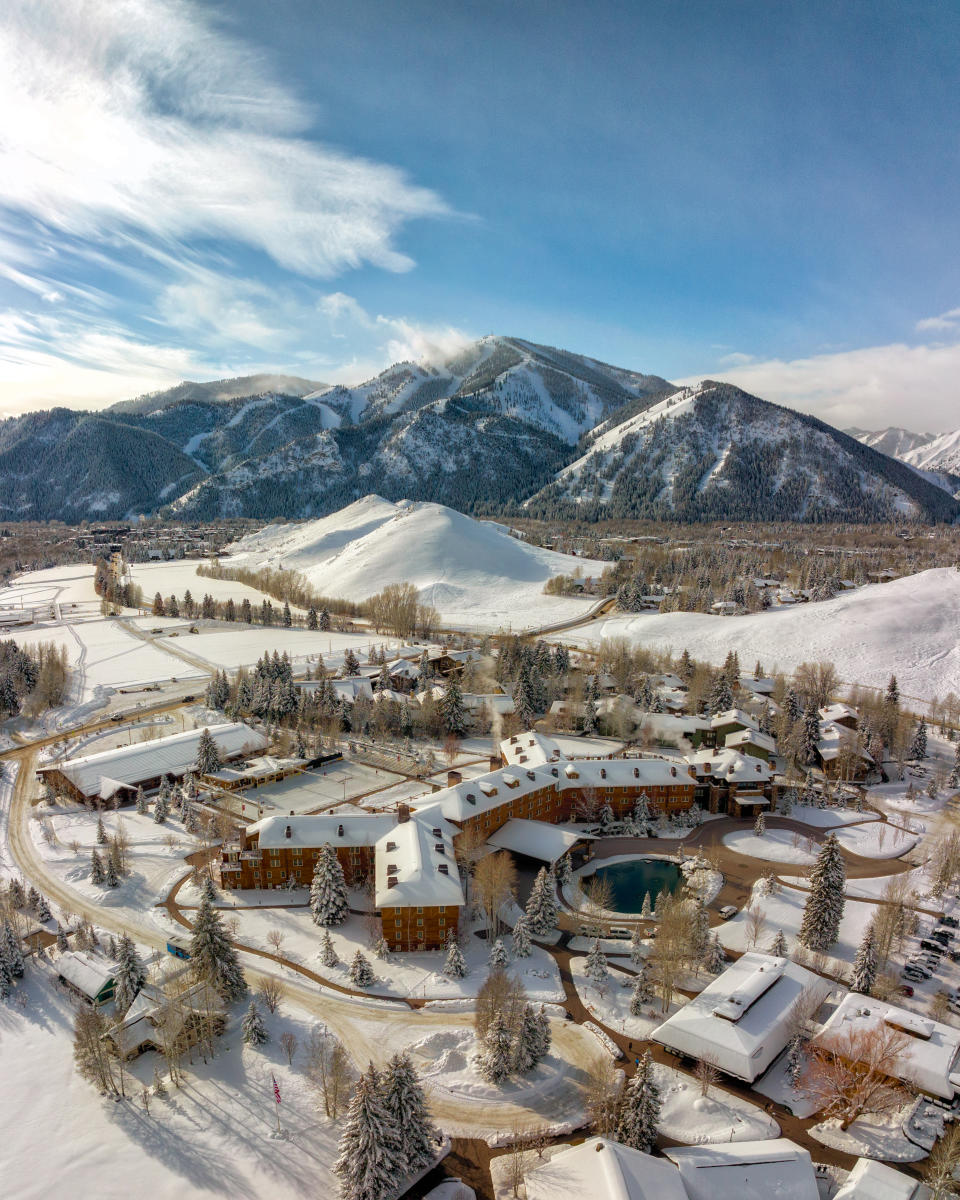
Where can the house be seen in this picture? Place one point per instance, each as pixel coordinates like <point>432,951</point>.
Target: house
<point>931,1060</point>
<point>746,1171</point>
<point>256,772</point>
<point>102,776</point>
<point>841,714</point>
<point>734,720</point>
<point>752,742</point>
<point>841,753</point>
<point>731,782</point>
<point>743,1019</point>
<point>603,1170</point>
<point>155,1023</point>
<point>871,1180</point>
<point>87,975</point>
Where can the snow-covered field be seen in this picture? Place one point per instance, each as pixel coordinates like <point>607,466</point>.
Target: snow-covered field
<point>180,575</point>
<point>879,840</point>
<point>776,845</point>
<point>907,627</point>
<point>103,655</point>
<point>609,1001</point>
<point>783,909</point>
<point>829,818</point>
<point>473,572</point>
<point>232,646</point>
<point>871,1137</point>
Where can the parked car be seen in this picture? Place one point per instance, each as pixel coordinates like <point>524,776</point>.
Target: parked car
<point>906,989</point>
<point>933,947</point>
<point>952,922</point>
<point>728,911</point>
<point>619,933</point>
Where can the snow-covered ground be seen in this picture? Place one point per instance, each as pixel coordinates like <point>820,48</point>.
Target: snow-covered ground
<point>775,1085</point>
<point>418,976</point>
<point>879,840</point>
<point>102,655</point>
<point>180,575</point>
<point>829,818</point>
<point>871,1137</point>
<point>232,646</point>
<point>609,1001</point>
<point>776,845</point>
<point>720,1116</point>
<point>473,572</point>
<point>783,909</point>
<point>907,627</point>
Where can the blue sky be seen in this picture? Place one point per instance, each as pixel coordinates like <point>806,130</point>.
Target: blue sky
<point>766,193</point>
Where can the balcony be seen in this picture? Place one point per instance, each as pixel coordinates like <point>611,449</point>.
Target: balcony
<point>251,856</point>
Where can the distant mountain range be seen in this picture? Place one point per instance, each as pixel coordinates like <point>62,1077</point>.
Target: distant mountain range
<point>504,423</point>
<point>935,456</point>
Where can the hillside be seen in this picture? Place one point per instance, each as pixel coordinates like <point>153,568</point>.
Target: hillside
<point>907,628</point>
<point>894,441</point>
<point>939,454</point>
<point>715,452</point>
<point>473,572</point>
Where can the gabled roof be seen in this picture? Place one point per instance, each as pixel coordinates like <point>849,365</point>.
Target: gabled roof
<point>777,1169</point>
<point>416,864</point>
<point>750,737</point>
<point>734,716</point>
<point>173,755</point>
<point>358,829</point>
<point>871,1180</point>
<point>603,1170</point>
<point>730,766</point>
<point>89,973</point>
<point>536,839</point>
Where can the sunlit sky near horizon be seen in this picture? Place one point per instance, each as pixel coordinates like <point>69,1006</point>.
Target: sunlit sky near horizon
<point>754,192</point>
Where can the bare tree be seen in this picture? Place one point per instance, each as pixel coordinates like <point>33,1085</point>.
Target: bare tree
<point>602,1097</point>
<point>940,1168</point>
<point>271,992</point>
<point>852,1072</point>
<point>706,1074</point>
<point>500,993</point>
<point>328,1069</point>
<point>90,1051</point>
<point>517,1159</point>
<point>495,882</point>
<point>755,924</point>
<point>275,938</point>
<point>289,1044</point>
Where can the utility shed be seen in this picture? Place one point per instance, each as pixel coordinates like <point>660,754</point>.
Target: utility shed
<point>742,1020</point>
<point>771,1170</point>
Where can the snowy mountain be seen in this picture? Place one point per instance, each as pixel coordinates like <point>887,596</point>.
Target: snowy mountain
<point>893,441</point>
<point>938,454</point>
<point>474,572</point>
<point>715,452</point>
<point>217,391</point>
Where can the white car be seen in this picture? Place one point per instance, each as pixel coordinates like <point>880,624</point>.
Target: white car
<point>728,911</point>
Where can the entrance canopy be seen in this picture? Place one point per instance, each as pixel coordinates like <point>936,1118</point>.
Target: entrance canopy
<point>536,839</point>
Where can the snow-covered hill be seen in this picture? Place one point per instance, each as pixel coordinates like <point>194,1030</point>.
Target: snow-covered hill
<point>475,573</point>
<point>907,628</point>
<point>715,452</point>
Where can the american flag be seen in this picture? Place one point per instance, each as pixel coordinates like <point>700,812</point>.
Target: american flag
<point>276,1089</point>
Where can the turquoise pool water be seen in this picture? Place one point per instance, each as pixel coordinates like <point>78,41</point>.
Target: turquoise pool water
<point>629,881</point>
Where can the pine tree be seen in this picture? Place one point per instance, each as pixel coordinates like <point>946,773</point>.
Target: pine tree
<point>62,942</point>
<point>351,664</point>
<point>371,1162</point>
<point>824,908</point>
<point>43,911</point>
<point>101,831</point>
<point>159,1087</point>
<point>811,733</point>
<point>161,807</point>
<point>450,708</point>
<point>112,877</point>
<point>97,874</point>
<point>328,890</point>
<point>252,1027</point>
<point>406,1105</point>
<point>714,959</point>
<point>892,695</point>
<point>778,947</point>
<point>208,756</point>
<point>142,807</point>
<point>455,966</point>
<point>721,697</point>
<point>130,975</point>
<point>213,959</point>
<point>6,977</point>
<point>642,993</point>
<point>700,931</point>
<point>527,1041</point>
<point>542,905</point>
<point>640,1109</point>
<point>760,825</point>
<point>954,780</point>
<point>361,973</point>
<point>520,940</point>
<point>637,956</point>
<point>311,617</point>
<point>328,955</point>
<point>324,621</point>
<point>498,954</point>
<point>523,701</point>
<point>918,746</point>
<point>595,967</point>
<point>381,949</point>
<point>646,909</point>
<point>16,894</point>
<point>13,949</point>
<point>795,1059</point>
<point>561,868</point>
<point>865,964</point>
<point>496,1057</point>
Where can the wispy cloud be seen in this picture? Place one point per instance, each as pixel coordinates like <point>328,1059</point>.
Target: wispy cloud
<point>946,322</point>
<point>145,154</point>
<point>870,387</point>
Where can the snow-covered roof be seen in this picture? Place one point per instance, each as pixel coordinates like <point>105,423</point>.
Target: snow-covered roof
<point>838,739</point>
<point>497,702</point>
<point>466,799</point>
<point>344,829</point>
<point>731,766</point>
<point>87,972</point>
<point>742,1019</point>
<point>530,749</point>
<point>750,737</point>
<point>173,755</point>
<point>260,767</point>
<point>759,687</point>
<point>603,1170</point>
<point>838,711</point>
<point>929,1061</point>
<point>734,716</point>
<point>536,839</point>
<point>870,1180</point>
<point>746,1171</point>
<point>416,865</point>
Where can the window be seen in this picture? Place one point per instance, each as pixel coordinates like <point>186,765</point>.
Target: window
<point>419,920</point>
<point>419,910</point>
<point>442,908</point>
<point>442,922</point>
<point>269,874</point>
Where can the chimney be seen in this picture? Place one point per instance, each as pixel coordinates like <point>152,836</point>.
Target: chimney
<point>339,831</point>
<point>288,832</point>
<point>403,813</point>
<point>454,777</point>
